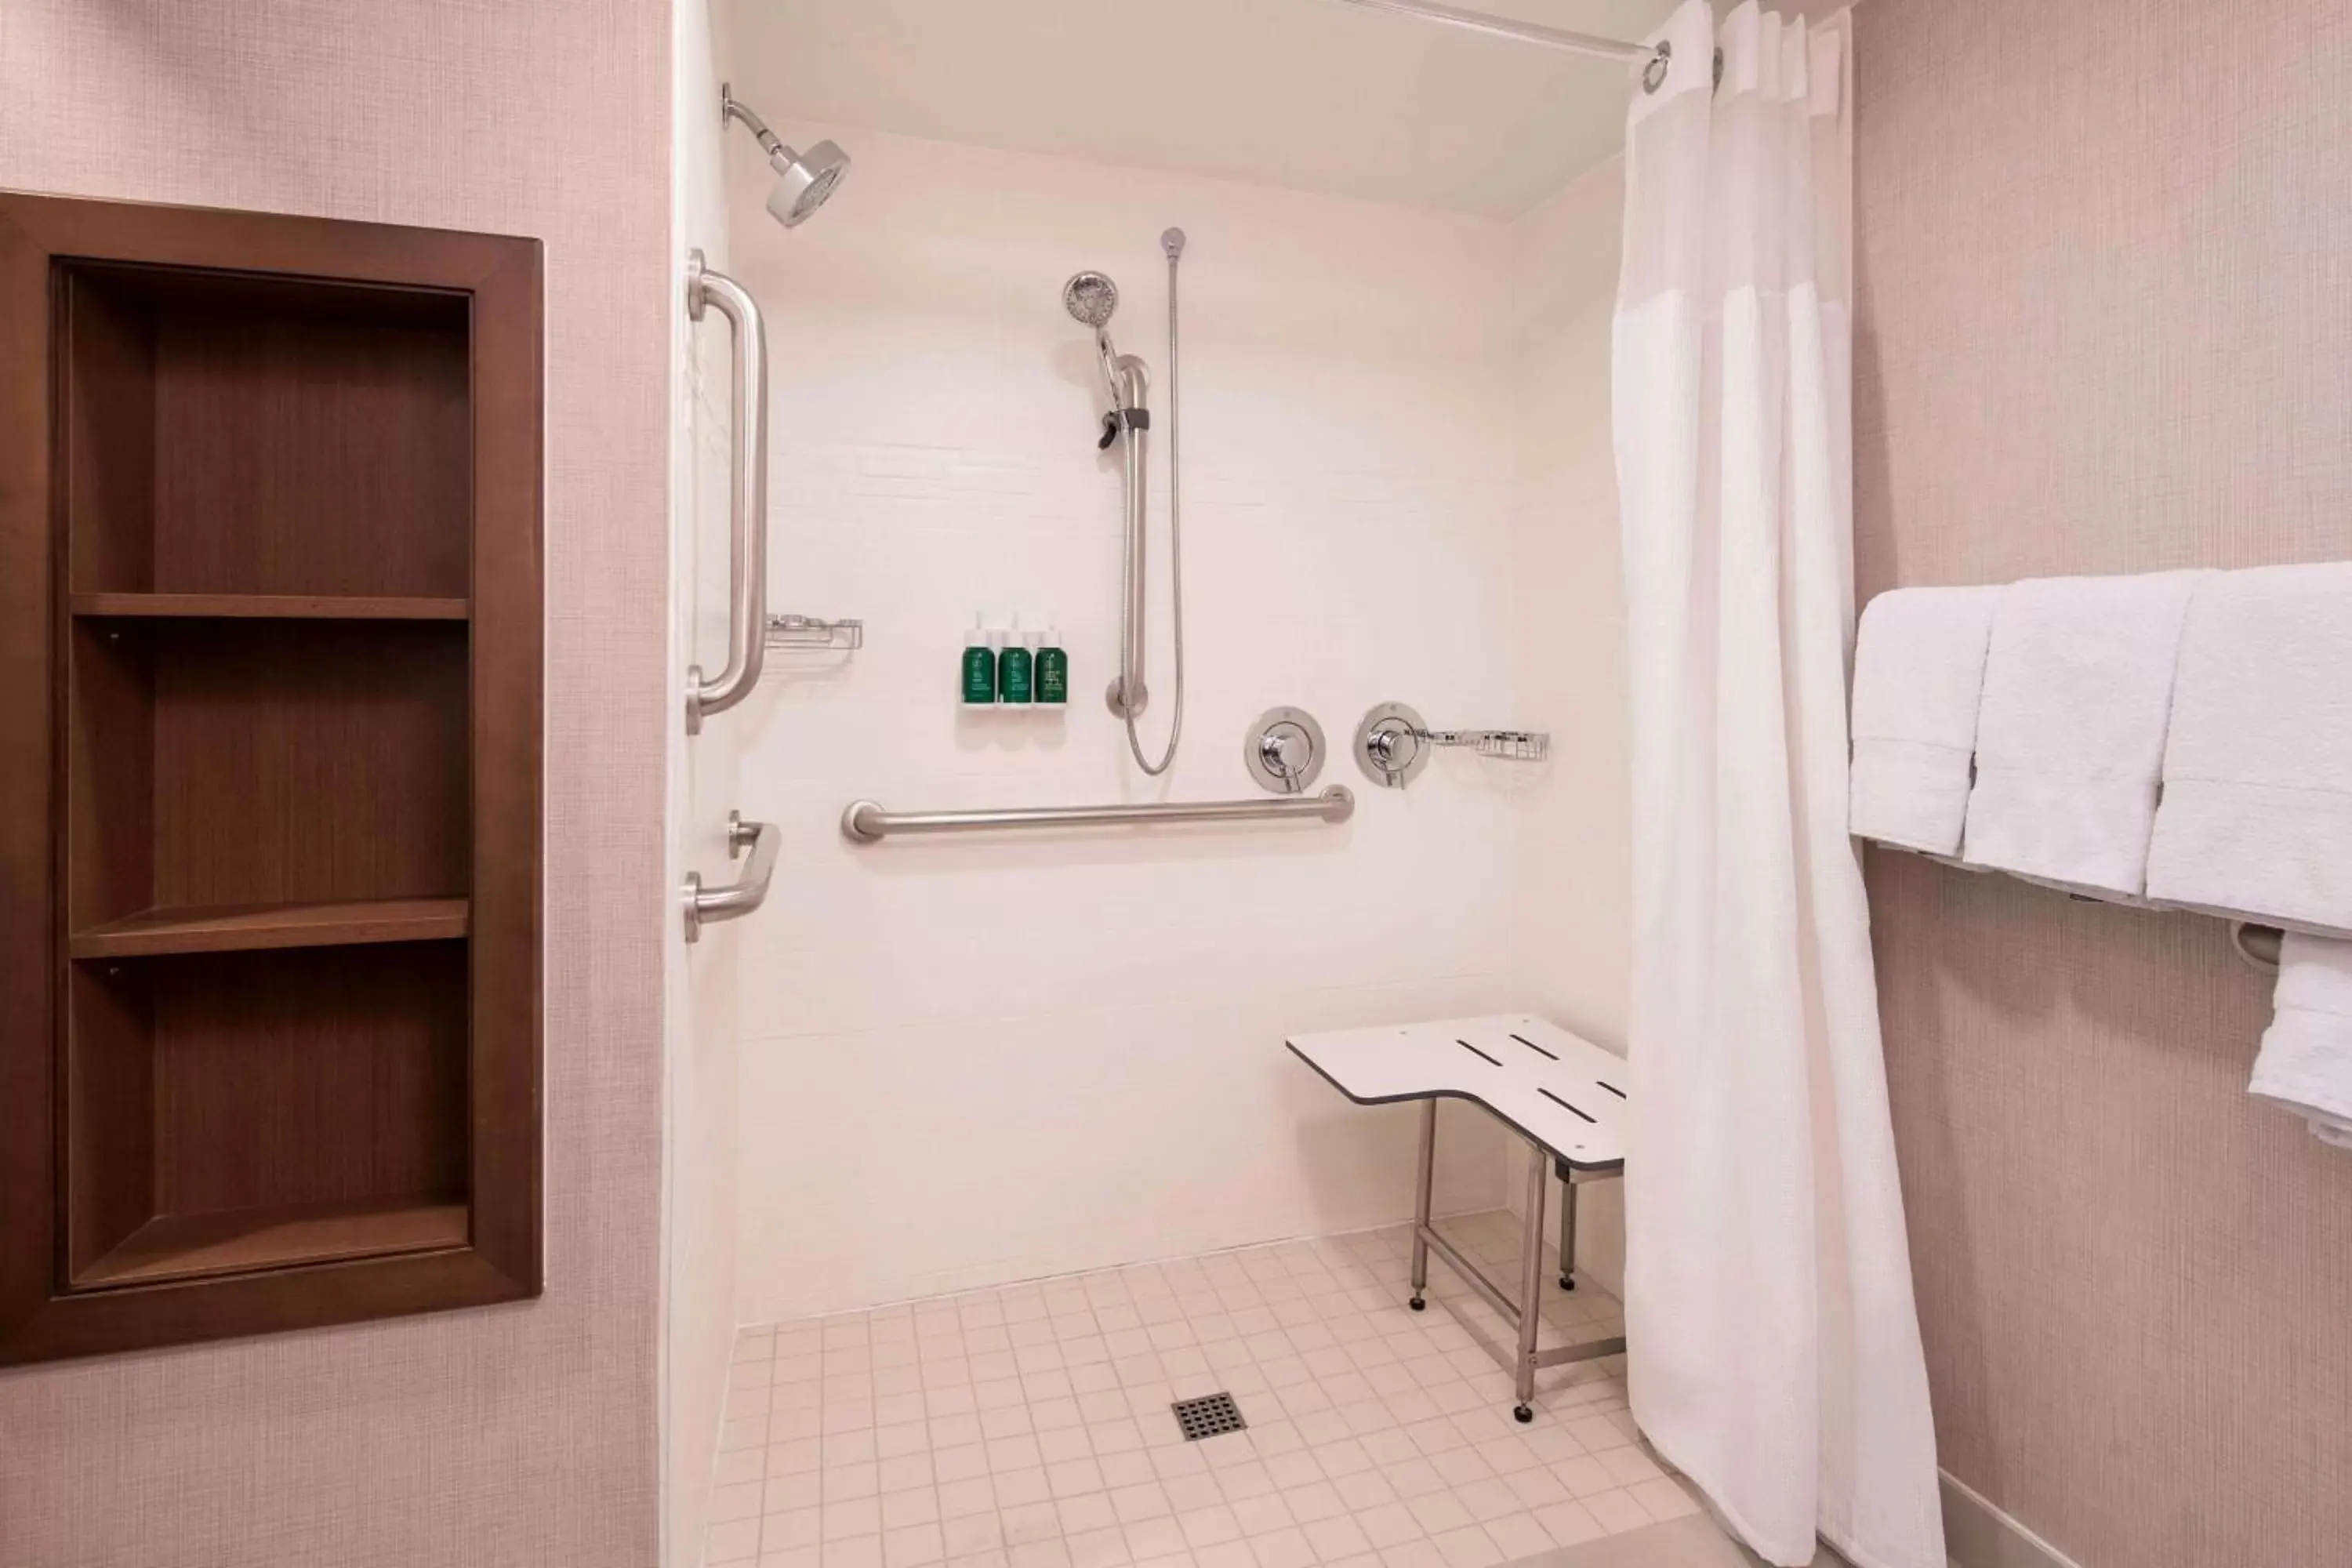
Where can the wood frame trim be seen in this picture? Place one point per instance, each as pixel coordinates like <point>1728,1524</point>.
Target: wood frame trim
<point>508,633</point>
<point>29,1222</point>
<point>40,1318</point>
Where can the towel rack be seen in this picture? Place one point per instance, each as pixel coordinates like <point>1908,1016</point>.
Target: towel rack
<point>740,898</point>
<point>747,496</point>
<point>867,823</point>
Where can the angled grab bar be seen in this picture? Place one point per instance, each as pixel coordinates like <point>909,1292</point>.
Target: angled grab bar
<point>867,823</point>
<point>747,503</point>
<point>742,896</point>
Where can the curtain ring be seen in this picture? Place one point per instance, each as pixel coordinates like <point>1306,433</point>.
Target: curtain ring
<point>1654,75</point>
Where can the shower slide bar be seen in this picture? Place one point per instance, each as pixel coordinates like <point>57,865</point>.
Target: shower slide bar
<point>747,496</point>
<point>867,823</point>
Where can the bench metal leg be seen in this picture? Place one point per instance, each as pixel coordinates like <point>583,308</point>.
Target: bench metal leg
<point>1531,1283</point>
<point>1526,1314</point>
<point>1421,1199</point>
<point>1567,1225</point>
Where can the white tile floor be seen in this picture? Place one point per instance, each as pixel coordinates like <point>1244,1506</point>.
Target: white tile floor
<point>1029,1428</point>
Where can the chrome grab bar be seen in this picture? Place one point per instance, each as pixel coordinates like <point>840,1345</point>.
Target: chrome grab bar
<point>747,504</point>
<point>867,823</point>
<point>746,894</point>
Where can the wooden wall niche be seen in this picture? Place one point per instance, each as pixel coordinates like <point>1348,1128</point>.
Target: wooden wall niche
<point>269,773</point>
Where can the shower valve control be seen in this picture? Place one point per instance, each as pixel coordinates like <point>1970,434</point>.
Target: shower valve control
<point>1390,745</point>
<point>1284,749</point>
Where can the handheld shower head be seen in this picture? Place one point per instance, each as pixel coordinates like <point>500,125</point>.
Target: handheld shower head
<point>804,180</point>
<point>1092,298</point>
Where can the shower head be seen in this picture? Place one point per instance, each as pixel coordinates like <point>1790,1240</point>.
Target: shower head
<point>1092,298</point>
<point>804,180</point>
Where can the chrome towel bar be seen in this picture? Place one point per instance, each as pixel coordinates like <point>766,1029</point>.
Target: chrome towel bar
<point>867,823</point>
<point>742,896</point>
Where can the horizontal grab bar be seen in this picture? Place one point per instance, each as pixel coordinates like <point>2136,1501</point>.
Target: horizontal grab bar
<point>740,898</point>
<point>867,823</point>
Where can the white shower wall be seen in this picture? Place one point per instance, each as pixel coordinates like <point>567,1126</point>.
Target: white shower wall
<point>973,1060</point>
<point>1571,872</point>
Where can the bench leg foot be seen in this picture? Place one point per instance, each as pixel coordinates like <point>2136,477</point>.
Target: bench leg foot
<point>1523,1413</point>
<point>1418,1305</point>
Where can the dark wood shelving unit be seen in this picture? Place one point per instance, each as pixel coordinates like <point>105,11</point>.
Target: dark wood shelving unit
<point>270,757</point>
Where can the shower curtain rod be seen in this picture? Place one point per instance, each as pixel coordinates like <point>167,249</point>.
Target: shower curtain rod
<point>1522,32</point>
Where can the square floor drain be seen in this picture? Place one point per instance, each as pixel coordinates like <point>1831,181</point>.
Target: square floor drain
<point>1208,1416</point>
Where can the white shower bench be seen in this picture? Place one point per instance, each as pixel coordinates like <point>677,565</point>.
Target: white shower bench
<point>1564,1095</point>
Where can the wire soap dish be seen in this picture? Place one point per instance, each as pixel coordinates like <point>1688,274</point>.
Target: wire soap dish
<point>1393,744</point>
<point>1511,745</point>
<point>787,631</point>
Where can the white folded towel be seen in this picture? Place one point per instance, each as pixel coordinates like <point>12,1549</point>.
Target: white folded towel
<point>1919,672</point>
<point>2257,814</point>
<point>2306,1063</point>
<point>2070,737</point>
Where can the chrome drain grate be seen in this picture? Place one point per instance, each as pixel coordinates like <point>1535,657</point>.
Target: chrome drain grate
<point>1210,1416</point>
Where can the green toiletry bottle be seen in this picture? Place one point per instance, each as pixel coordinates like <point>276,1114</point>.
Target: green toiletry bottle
<point>1053,672</point>
<point>978,666</point>
<point>1014,670</point>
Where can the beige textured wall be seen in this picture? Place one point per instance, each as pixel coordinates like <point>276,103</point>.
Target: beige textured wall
<point>2106,316</point>
<point>512,1435</point>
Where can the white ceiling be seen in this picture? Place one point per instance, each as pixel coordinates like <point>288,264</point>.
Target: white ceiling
<point>1306,94</point>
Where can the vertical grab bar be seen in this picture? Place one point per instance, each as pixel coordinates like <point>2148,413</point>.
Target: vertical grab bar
<point>747,506</point>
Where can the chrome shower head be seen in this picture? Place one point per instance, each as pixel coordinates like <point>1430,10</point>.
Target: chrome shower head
<point>1092,298</point>
<point>804,180</point>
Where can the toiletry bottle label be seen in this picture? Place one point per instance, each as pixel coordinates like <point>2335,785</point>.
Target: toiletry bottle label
<point>1052,675</point>
<point>980,674</point>
<point>1012,675</point>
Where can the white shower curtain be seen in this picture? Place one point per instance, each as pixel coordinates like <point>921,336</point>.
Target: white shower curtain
<point>1775,1353</point>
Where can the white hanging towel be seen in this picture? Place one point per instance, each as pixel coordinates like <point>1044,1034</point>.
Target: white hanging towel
<point>2069,739</point>
<point>2257,814</point>
<point>2306,1063</point>
<point>1918,674</point>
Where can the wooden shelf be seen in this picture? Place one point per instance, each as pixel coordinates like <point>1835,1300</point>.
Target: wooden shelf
<point>270,796</point>
<point>269,607</point>
<point>240,1241</point>
<point>244,928</point>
